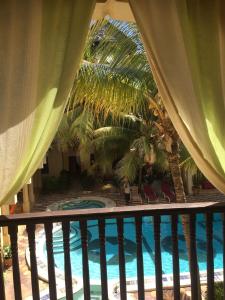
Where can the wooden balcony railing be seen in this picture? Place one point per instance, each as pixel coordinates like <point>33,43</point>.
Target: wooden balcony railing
<point>117,213</point>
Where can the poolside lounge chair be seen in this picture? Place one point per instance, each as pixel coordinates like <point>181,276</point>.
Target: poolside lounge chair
<point>150,195</point>
<point>167,192</point>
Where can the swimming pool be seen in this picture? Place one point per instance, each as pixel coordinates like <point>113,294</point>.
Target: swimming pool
<point>130,247</point>
<point>130,251</point>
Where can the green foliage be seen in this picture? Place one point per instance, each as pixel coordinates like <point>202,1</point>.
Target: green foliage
<point>7,252</point>
<point>112,110</point>
<point>64,180</point>
<point>87,181</point>
<point>110,89</point>
<point>116,181</point>
<point>49,184</point>
<point>187,162</point>
<point>52,184</point>
<point>198,178</point>
<point>218,288</point>
<point>129,166</point>
<point>115,75</point>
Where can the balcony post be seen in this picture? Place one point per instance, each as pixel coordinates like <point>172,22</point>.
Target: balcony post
<point>140,267</point>
<point>176,267</point>
<point>122,271</point>
<point>67,260</point>
<point>2,284</point>
<point>33,261</point>
<point>13,230</point>
<point>51,263</point>
<point>103,265</point>
<point>86,276</point>
<point>158,258</point>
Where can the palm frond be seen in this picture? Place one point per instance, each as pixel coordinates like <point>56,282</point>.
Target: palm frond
<point>83,127</point>
<point>115,76</point>
<point>114,148</point>
<point>187,162</point>
<point>161,159</point>
<point>120,44</point>
<point>189,165</point>
<point>129,166</point>
<point>110,90</point>
<point>104,133</point>
<point>64,138</point>
<point>85,151</point>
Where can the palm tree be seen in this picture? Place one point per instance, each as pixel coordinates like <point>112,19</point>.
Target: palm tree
<point>110,139</point>
<point>118,80</point>
<point>115,78</point>
<point>171,143</point>
<point>115,81</point>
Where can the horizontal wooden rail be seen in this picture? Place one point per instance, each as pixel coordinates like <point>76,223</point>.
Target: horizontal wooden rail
<point>112,212</point>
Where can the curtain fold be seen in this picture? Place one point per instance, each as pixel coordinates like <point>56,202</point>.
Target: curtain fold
<point>185,43</point>
<point>41,46</point>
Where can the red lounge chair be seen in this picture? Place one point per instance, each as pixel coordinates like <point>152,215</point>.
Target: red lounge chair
<point>167,192</point>
<point>150,195</point>
<point>12,208</point>
<point>206,185</point>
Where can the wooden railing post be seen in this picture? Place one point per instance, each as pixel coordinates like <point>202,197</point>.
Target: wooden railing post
<point>140,267</point>
<point>67,261</point>
<point>51,263</point>
<point>86,277</point>
<point>210,256</point>
<point>33,261</point>
<point>122,271</point>
<point>13,229</point>
<point>176,267</point>
<point>158,258</point>
<point>193,259</point>
<point>2,284</point>
<point>103,265</point>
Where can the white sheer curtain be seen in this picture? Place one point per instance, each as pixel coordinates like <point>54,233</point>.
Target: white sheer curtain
<point>41,45</point>
<point>185,43</point>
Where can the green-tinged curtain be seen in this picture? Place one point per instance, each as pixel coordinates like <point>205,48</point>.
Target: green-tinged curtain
<point>185,42</point>
<point>41,46</point>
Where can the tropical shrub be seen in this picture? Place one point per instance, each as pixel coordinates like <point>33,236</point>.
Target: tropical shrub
<point>218,290</point>
<point>87,181</point>
<point>7,252</point>
<point>52,184</point>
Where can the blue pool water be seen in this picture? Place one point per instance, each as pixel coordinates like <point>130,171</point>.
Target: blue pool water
<point>130,247</point>
<point>83,204</point>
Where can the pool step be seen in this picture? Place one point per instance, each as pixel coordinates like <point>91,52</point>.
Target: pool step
<point>60,243</point>
<point>58,238</point>
<point>58,248</point>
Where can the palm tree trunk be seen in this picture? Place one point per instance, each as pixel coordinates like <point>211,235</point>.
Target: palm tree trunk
<point>173,159</point>
<point>185,181</point>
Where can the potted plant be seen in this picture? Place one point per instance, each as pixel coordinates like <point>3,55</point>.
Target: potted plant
<point>7,256</point>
